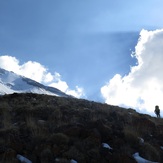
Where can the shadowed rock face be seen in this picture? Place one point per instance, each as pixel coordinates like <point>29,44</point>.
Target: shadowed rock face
<point>56,129</point>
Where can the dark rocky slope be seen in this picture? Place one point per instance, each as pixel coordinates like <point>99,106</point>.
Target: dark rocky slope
<point>47,129</point>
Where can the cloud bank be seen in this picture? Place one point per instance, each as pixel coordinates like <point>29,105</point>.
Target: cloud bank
<point>142,87</point>
<point>39,73</point>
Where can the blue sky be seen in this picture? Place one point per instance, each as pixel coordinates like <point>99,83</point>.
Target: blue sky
<point>83,44</point>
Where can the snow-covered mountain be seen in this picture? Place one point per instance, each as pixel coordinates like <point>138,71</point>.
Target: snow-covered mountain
<point>13,83</point>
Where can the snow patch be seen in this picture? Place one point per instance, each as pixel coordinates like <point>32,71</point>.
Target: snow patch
<point>105,145</point>
<point>140,159</point>
<point>23,159</point>
<point>73,161</point>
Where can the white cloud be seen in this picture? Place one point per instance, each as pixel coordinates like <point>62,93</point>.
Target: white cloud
<point>62,85</point>
<point>58,83</point>
<point>142,88</point>
<point>78,92</point>
<point>39,73</point>
<point>9,63</point>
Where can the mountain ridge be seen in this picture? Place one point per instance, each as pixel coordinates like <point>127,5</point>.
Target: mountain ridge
<point>11,82</point>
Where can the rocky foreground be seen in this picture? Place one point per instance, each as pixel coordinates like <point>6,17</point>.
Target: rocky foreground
<point>49,129</point>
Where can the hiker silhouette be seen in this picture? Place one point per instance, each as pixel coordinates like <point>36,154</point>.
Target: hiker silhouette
<point>157,111</point>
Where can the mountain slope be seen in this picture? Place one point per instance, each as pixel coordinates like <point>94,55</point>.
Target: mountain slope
<point>51,129</point>
<point>13,83</point>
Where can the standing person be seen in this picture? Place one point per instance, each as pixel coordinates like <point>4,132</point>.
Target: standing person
<point>157,111</point>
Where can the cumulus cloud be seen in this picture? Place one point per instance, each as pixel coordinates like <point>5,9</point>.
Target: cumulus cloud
<point>78,92</point>
<point>142,88</point>
<point>39,73</point>
<point>62,85</point>
<point>58,83</point>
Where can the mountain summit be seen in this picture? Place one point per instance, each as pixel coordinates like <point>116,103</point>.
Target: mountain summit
<point>10,83</point>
